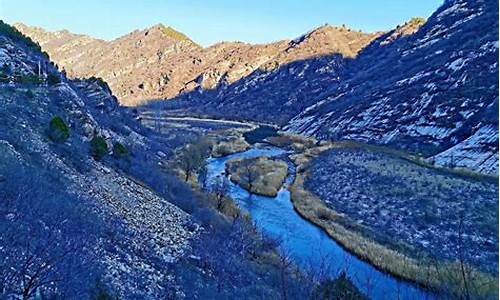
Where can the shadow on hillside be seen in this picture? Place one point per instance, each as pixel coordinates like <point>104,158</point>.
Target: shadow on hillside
<point>269,96</point>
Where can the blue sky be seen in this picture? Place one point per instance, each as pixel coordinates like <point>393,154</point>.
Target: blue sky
<point>208,22</point>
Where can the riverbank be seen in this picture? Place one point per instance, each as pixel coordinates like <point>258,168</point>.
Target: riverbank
<point>426,273</point>
<point>228,224</point>
<point>303,242</point>
<point>432,275</point>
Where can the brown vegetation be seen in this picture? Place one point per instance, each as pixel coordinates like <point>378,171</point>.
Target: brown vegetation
<point>230,146</point>
<point>456,279</point>
<point>263,176</point>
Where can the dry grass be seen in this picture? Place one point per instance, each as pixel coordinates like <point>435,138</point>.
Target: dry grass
<point>418,160</point>
<point>291,140</point>
<point>231,146</point>
<point>267,175</point>
<point>433,275</point>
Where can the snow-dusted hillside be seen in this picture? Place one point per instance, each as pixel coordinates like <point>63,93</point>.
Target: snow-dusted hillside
<point>434,92</point>
<point>424,87</point>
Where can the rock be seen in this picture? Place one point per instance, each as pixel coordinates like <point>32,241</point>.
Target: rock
<point>195,260</point>
<point>89,130</point>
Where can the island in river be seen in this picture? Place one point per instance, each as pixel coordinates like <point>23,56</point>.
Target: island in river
<point>261,175</point>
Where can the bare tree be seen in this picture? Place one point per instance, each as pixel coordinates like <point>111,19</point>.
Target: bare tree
<point>46,240</point>
<point>248,177</point>
<point>285,264</point>
<point>461,280</point>
<point>221,191</point>
<point>319,270</point>
<point>452,164</point>
<point>461,258</point>
<point>190,160</point>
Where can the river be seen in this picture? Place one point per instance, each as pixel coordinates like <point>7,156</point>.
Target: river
<point>308,245</point>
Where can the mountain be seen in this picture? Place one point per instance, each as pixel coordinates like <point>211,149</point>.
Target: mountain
<point>429,87</point>
<point>91,206</point>
<point>434,92</point>
<point>161,63</point>
<point>77,211</point>
<point>127,64</point>
<point>282,86</point>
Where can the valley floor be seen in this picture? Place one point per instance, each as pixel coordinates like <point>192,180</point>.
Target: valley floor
<point>431,226</point>
<point>400,202</point>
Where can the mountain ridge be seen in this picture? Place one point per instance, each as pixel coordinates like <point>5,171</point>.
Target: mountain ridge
<point>162,69</point>
<point>97,192</point>
<point>428,88</point>
<point>440,77</point>
<point>117,201</point>
<point>405,88</point>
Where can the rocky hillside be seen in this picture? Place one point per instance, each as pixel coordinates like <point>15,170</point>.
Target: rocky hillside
<point>284,86</point>
<point>427,87</point>
<point>96,194</point>
<point>62,184</point>
<point>434,92</point>
<point>161,63</point>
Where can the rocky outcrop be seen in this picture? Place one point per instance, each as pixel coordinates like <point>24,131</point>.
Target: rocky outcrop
<point>161,63</point>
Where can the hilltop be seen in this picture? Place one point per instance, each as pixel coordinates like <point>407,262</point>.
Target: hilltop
<point>162,63</point>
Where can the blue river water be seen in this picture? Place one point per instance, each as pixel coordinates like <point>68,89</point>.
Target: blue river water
<point>309,246</point>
